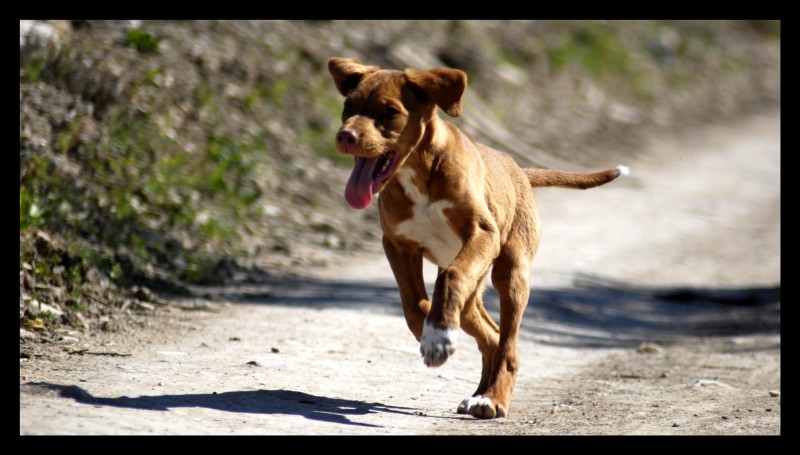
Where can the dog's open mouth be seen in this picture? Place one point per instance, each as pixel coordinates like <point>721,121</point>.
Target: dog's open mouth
<point>368,177</point>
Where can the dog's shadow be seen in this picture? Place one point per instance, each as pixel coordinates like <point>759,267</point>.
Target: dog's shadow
<point>287,402</point>
<point>594,312</point>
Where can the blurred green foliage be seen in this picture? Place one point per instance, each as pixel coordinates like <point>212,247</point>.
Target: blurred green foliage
<point>142,40</point>
<point>133,188</point>
<point>596,46</point>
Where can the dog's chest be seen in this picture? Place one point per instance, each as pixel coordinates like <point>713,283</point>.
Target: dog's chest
<point>428,225</point>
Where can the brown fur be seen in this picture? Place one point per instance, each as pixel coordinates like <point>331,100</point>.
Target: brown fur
<point>484,197</point>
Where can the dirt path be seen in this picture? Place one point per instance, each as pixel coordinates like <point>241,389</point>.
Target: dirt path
<point>684,255</point>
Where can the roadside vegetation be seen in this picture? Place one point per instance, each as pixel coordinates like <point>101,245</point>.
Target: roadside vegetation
<point>156,157</point>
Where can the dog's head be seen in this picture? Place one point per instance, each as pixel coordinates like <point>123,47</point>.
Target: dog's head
<point>386,117</point>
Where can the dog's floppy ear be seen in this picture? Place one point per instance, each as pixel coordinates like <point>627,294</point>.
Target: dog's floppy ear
<point>445,86</point>
<point>348,73</point>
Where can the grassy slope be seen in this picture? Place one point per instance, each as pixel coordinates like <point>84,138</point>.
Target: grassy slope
<point>158,154</point>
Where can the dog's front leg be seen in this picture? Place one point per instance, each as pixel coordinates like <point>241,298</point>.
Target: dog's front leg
<point>456,284</point>
<point>407,268</point>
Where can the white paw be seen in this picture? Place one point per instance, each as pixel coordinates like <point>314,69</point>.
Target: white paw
<point>437,344</point>
<point>471,402</point>
<point>481,407</point>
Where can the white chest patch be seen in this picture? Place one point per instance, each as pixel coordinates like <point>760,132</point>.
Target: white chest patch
<point>428,225</point>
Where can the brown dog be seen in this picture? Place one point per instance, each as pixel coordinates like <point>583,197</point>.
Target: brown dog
<point>460,204</point>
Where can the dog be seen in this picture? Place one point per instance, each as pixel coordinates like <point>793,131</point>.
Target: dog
<point>453,201</point>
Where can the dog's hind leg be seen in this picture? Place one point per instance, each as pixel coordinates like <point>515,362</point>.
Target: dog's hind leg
<point>477,322</point>
<point>510,278</point>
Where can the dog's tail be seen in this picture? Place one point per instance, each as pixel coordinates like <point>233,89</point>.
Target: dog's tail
<point>577,180</point>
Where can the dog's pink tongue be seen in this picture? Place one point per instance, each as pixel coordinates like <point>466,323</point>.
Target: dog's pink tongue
<point>358,192</point>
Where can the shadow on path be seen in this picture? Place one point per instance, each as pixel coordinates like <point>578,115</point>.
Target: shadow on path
<point>602,313</point>
<point>595,312</point>
<point>333,410</point>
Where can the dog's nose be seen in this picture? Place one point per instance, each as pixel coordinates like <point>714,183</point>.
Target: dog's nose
<point>346,137</point>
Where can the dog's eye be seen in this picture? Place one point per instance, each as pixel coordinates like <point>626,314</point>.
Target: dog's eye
<point>390,112</point>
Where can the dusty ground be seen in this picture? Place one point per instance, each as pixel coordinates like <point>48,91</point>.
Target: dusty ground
<point>683,255</point>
